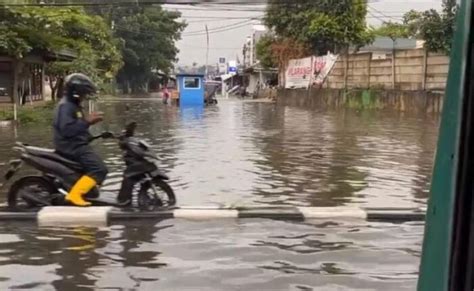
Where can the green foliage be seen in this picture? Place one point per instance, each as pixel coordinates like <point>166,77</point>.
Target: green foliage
<point>142,41</point>
<point>148,36</point>
<point>30,114</point>
<point>264,51</point>
<point>437,29</point>
<point>326,25</point>
<point>392,30</point>
<point>413,20</point>
<point>50,29</point>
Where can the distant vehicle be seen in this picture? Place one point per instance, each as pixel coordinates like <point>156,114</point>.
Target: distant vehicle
<point>211,88</point>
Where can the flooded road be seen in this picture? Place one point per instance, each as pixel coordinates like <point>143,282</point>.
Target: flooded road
<point>243,154</point>
<point>221,255</point>
<point>250,153</point>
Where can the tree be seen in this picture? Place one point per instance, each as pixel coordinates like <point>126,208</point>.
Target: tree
<point>148,36</point>
<point>264,51</point>
<point>325,25</point>
<point>98,53</point>
<point>412,20</point>
<point>392,30</point>
<point>49,29</point>
<point>437,29</point>
<point>276,52</point>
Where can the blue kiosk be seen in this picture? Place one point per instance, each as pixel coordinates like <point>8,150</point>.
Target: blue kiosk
<point>191,89</point>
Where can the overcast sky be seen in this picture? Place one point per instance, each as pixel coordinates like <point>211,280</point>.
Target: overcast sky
<point>229,26</point>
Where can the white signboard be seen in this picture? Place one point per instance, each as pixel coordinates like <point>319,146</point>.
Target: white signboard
<point>298,73</point>
<point>222,66</point>
<point>301,73</point>
<point>322,66</point>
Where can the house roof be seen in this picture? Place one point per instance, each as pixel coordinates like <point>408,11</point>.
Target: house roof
<point>387,44</point>
<point>226,77</point>
<point>257,67</point>
<point>63,55</point>
<point>189,75</point>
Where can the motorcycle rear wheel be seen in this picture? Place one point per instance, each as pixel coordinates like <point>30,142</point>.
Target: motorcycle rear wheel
<point>31,192</point>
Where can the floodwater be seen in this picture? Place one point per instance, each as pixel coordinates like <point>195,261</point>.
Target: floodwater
<point>238,154</point>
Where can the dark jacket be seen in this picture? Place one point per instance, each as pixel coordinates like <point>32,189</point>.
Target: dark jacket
<point>71,130</point>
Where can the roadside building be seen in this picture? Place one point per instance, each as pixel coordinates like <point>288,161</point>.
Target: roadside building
<point>24,80</point>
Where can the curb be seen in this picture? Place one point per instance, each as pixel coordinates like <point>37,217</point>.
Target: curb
<point>97,215</point>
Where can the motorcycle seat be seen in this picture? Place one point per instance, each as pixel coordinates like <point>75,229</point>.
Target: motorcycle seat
<point>51,154</point>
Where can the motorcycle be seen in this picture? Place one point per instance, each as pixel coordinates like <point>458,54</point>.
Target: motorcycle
<point>59,174</point>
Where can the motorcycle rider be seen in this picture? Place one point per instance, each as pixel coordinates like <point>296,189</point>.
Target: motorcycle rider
<point>72,136</point>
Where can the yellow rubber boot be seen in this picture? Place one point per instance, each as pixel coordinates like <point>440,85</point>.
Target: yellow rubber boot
<point>81,188</point>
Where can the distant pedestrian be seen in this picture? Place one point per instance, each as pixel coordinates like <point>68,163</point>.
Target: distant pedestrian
<point>166,95</point>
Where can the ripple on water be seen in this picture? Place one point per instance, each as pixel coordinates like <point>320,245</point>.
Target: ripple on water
<point>240,154</point>
<point>243,154</point>
<point>242,255</point>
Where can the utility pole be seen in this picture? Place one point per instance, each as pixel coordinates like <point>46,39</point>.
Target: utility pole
<point>207,53</point>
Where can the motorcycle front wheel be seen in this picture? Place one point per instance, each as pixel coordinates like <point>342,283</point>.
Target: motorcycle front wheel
<point>155,194</point>
<point>31,192</point>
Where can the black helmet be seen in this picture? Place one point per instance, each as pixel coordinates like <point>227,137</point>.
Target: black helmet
<point>77,84</point>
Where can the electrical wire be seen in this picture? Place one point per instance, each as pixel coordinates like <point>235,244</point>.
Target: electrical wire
<point>381,13</point>
<point>212,48</point>
<point>225,26</point>
<point>250,5</point>
<point>214,20</point>
<point>218,31</point>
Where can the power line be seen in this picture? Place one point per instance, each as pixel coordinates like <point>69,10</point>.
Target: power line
<point>131,2</point>
<point>218,30</point>
<point>214,17</point>
<point>225,26</point>
<point>381,13</point>
<point>215,5</point>
<point>250,5</point>
<point>212,48</point>
<point>218,9</point>
<point>216,20</point>
<point>167,2</point>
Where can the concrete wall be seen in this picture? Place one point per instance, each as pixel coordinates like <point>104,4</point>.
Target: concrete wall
<point>399,100</point>
<point>411,70</point>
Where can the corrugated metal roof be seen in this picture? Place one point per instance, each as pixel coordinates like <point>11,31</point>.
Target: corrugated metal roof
<point>387,44</point>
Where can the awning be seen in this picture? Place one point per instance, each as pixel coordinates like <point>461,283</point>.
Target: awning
<point>63,55</point>
<point>226,77</point>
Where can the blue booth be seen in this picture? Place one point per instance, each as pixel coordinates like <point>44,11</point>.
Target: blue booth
<point>191,89</point>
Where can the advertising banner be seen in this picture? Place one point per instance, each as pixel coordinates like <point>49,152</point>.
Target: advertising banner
<point>301,73</point>
<point>298,73</point>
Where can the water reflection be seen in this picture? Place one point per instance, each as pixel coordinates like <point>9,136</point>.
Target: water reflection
<point>76,256</point>
<point>251,153</point>
<point>221,255</point>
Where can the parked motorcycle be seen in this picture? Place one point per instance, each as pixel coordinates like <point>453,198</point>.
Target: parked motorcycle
<point>59,174</point>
